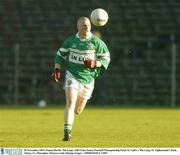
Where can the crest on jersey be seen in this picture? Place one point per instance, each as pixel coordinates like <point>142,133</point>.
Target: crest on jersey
<point>90,46</point>
<point>74,46</point>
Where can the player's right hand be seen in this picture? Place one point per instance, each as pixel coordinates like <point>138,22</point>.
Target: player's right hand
<point>90,63</point>
<point>56,75</point>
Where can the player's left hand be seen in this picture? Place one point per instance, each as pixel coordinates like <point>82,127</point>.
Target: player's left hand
<point>90,63</point>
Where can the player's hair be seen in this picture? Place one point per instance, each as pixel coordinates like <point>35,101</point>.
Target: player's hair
<point>81,19</point>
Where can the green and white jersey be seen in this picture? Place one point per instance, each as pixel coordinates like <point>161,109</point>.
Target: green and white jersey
<point>76,50</point>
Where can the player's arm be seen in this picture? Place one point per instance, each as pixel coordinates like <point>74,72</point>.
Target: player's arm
<point>57,66</point>
<point>103,58</point>
<point>103,55</point>
<point>92,63</point>
<point>98,64</point>
<point>61,56</point>
<point>101,62</point>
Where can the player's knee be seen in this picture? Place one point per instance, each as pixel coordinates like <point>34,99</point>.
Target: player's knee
<point>69,105</point>
<point>78,111</point>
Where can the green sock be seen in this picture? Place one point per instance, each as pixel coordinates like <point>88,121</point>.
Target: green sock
<point>67,129</point>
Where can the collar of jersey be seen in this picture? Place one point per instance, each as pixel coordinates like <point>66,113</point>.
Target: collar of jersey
<point>90,35</point>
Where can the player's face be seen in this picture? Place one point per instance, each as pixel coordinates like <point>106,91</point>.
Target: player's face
<point>84,26</point>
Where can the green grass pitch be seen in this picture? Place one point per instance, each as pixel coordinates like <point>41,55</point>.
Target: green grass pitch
<point>95,127</point>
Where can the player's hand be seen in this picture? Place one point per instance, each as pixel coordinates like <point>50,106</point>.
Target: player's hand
<point>56,75</point>
<point>90,63</point>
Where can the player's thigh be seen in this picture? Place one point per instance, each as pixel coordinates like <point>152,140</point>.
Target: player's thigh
<point>71,89</point>
<point>71,96</point>
<point>84,93</point>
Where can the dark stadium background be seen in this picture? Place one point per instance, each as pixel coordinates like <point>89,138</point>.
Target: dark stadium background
<point>143,38</point>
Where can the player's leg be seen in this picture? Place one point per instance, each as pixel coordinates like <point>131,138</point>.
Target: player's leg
<point>80,104</point>
<point>71,97</point>
<point>84,94</point>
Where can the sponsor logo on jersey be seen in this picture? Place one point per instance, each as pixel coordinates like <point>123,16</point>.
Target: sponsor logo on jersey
<point>79,58</point>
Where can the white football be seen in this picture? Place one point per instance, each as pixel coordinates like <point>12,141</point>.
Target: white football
<point>99,17</point>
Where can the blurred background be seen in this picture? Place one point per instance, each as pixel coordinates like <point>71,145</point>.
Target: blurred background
<point>143,38</point>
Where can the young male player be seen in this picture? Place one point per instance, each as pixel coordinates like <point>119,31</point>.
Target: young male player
<point>87,56</point>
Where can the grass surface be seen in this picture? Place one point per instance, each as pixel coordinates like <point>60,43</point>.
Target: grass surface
<point>95,127</point>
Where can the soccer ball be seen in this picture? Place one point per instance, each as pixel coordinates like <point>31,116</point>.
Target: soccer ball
<point>99,17</point>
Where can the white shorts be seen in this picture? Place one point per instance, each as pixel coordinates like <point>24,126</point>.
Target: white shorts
<point>84,90</point>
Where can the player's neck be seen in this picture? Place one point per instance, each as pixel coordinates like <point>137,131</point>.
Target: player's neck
<point>84,35</point>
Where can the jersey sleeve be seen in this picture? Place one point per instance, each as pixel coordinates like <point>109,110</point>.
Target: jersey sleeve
<point>62,53</point>
<point>103,54</point>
